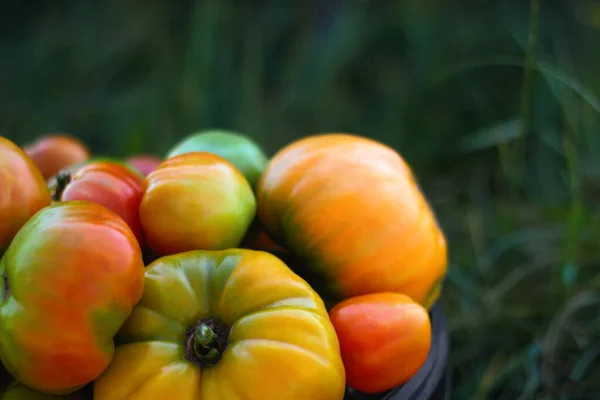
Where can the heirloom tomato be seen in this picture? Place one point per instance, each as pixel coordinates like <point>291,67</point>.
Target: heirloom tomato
<point>196,201</point>
<point>144,163</point>
<point>112,185</point>
<point>384,339</point>
<point>53,152</point>
<point>244,153</point>
<point>18,391</point>
<point>23,190</point>
<point>351,208</point>
<point>225,325</point>
<point>71,275</point>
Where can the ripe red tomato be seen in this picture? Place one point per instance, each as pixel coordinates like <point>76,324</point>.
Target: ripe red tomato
<point>53,152</point>
<point>144,163</point>
<point>23,190</point>
<point>110,184</point>
<point>384,339</point>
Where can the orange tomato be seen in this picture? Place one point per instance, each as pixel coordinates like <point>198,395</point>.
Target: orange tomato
<point>23,190</point>
<point>53,152</point>
<point>72,275</point>
<point>112,185</point>
<point>351,207</point>
<point>196,201</point>
<point>384,339</point>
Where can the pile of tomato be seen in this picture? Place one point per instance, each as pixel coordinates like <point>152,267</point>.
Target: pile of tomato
<point>214,272</point>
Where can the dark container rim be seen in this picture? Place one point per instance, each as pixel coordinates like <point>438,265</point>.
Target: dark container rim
<point>432,381</point>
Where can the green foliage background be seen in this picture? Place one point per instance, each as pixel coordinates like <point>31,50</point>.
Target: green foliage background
<point>492,102</point>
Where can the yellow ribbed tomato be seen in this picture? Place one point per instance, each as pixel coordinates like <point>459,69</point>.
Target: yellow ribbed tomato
<point>225,325</point>
<point>352,209</point>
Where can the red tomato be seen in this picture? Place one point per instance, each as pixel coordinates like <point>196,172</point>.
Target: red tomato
<point>112,185</point>
<point>144,163</point>
<point>384,339</point>
<point>23,190</point>
<point>53,152</point>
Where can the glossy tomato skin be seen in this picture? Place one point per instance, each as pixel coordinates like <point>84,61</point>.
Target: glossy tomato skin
<point>23,190</point>
<point>280,346</point>
<point>144,163</point>
<point>384,339</point>
<point>240,150</point>
<point>53,152</point>
<point>18,391</point>
<point>73,274</point>
<point>352,209</point>
<point>196,201</point>
<point>112,185</point>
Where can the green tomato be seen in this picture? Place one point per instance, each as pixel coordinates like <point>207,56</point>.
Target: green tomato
<point>18,391</point>
<point>244,153</point>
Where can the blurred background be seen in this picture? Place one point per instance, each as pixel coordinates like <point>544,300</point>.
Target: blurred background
<point>493,103</point>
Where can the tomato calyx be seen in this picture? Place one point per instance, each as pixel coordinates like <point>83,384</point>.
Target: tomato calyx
<point>62,181</point>
<point>206,341</point>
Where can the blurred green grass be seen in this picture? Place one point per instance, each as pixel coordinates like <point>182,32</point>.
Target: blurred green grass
<point>493,105</point>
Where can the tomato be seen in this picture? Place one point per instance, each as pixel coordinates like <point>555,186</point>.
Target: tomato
<point>110,184</point>
<point>71,278</point>
<point>224,325</point>
<point>384,339</point>
<point>144,163</point>
<point>351,207</point>
<point>238,149</point>
<point>53,152</point>
<point>196,201</point>
<point>18,391</point>
<point>23,190</point>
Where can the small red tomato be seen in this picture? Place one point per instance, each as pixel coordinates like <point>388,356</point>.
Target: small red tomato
<point>144,163</point>
<point>112,185</point>
<point>53,152</point>
<point>23,190</point>
<point>384,339</point>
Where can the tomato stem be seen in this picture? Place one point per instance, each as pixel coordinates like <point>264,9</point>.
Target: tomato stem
<point>206,341</point>
<point>62,180</point>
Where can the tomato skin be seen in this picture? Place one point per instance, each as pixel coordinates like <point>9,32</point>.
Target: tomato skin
<point>73,272</point>
<point>280,346</point>
<point>144,163</point>
<point>384,339</point>
<point>351,207</point>
<point>112,185</point>
<point>23,190</point>
<point>54,152</point>
<point>240,150</point>
<point>196,201</point>
<point>18,391</point>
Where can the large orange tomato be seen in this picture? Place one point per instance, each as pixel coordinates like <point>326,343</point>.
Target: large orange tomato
<point>384,339</point>
<point>53,152</point>
<point>110,184</point>
<point>72,275</point>
<point>351,207</point>
<point>196,201</point>
<point>23,190</point>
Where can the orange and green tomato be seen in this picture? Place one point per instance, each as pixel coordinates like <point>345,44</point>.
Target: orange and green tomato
<point>23,190</point>
<point>71,276</point>
<point>351,207</point>
<point>224,325</point>
<point>196,201</point>
<point>18,391</point>
<point>240,150</point>
<point>384,339</point>
<point>54,152</point>
<point>110,184</point>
